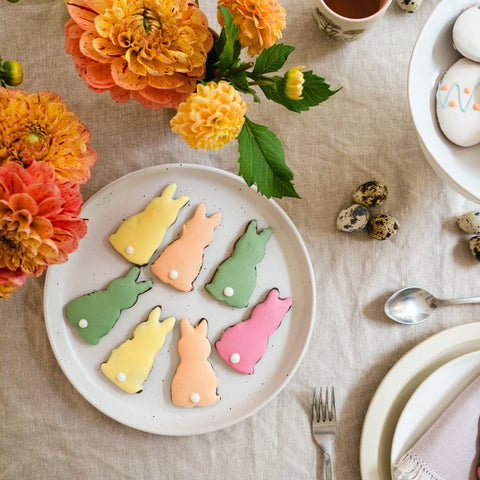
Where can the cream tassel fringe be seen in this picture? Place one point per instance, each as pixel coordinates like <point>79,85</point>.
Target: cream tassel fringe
<point>412,467</point>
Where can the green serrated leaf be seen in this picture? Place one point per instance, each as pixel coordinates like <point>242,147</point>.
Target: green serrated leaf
<point>262,161</point>
<point>315,91</point>
<point>272,59</point>
<point>227,46</point>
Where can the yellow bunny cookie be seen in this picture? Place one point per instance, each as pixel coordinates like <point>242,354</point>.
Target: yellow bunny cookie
<point>139,236</point>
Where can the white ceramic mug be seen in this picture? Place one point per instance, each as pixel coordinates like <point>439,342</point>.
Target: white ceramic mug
<point>342,27</point>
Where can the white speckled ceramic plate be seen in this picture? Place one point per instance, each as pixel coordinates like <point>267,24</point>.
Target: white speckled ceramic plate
<point>432,56</point>
<point>286,266</point>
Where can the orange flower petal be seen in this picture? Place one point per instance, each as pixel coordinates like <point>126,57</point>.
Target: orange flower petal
<point>99,75</point>
<point>23,201</point>
<point>81,13</point>
<point>106,48</point>
<point>88,49</point>
<point>125,78</point>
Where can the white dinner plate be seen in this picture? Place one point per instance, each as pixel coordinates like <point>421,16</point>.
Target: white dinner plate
<point>432,56</point>
<point>286,266</point>
<point>431,399</point>
<point>397,387</point>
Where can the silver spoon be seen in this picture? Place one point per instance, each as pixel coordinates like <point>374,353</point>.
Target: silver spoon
<point>413,305</point>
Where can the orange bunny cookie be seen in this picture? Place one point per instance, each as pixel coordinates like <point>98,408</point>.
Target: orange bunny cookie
<point>195,382</point>
<point>139,236</point>
<point>180,263</point>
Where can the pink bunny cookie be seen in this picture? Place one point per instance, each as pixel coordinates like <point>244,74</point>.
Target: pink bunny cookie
<point>195,382</point>
<point>245,343</point>
<point>180,263</point>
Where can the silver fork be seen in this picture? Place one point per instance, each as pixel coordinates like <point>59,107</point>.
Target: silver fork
<point>324,427</point>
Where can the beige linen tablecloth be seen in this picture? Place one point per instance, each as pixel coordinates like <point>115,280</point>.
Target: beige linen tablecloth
<point>48,430</point>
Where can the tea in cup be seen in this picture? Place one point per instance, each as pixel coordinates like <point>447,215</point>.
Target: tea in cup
<point>348,19</point>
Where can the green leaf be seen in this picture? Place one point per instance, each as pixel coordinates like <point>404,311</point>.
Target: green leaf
<point>315,91</point>
<point>240,81</point>
<point>262,161</point>
<point>272,59</point>
<point>227,45</point>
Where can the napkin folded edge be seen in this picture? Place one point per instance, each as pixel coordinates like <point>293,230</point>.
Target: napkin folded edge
<point>412,467</point>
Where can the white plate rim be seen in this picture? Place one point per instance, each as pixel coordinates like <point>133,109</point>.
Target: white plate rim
<point>396,388</point>
<point>450,178</point>
<point>445,387</point>
<point>268,204</point>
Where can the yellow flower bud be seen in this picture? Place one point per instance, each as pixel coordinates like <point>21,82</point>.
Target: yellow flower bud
<point>11,73</point>
<point>294,83</point>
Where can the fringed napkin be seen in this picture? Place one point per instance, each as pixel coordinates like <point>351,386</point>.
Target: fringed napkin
<point>449,448</point>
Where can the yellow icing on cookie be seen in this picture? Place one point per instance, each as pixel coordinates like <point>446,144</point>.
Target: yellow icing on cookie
<point>180,263</point>
<point>131,362</point>
<point>139,236</point>
<point>195,382</point>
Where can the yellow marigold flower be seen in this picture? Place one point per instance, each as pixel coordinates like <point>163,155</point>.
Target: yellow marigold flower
<point>260,22</point>
<point>39,127</point>
<point>211,117</point>
<point>152,50</point>
<point>294,83</point>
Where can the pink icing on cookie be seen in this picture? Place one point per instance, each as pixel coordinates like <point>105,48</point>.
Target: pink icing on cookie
<point>195,382</point>
<point>180,263</point>
<point>244,344</point>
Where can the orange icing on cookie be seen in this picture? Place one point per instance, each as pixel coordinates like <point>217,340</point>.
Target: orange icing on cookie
<point>139,236</point>
<point>452,103</point>
<point>180,263</point>
<point>476,106</point>
<point>195,382</point>
<point>444,87</point>
<point>131,362</point>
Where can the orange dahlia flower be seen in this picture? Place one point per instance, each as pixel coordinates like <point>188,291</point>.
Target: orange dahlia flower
<point>152,50</point>
<point>39,221</point>
<point>39,127</point>
<point>211,117</point>
<point>260,22</point>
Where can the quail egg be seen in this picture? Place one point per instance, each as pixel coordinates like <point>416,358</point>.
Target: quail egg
<point>382,226</point>
<point>470,222</point>
<point>370,194</point>
<point>409,6</point>
<point>474,244</point>
<point>353,218</point>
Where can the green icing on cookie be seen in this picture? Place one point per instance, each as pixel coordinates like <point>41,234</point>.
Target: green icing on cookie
<point>236,277</point>
<point>95,314</point>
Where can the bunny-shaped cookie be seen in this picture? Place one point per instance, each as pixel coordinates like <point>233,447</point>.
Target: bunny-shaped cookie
<point>139,236</point>
<point>131,362</point>
<point>244,344</point>
<point>195,382</point>
<point>180,263</point>
<point>236,277</point>
<point>95,314</point>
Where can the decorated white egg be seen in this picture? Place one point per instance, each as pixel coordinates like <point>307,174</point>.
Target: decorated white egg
<point>353,218</point>
<point>458,103</point>
<point>466,33</point>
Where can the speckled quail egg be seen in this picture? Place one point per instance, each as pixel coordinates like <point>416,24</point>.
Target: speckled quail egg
<point>470,222</point>
<point>370,194</point>
<point>382,226</point>
<point>474,245</point>
<point>409,6</point>
<point>353,218</point>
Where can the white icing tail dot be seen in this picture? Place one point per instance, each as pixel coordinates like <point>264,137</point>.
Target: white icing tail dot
<point>194,397</point>
<point>83,323</point>
<point>234,358</point>
<point>228,291</point>
<point>121,377</point>
<point>129,250</point>
<point>173,274</point>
